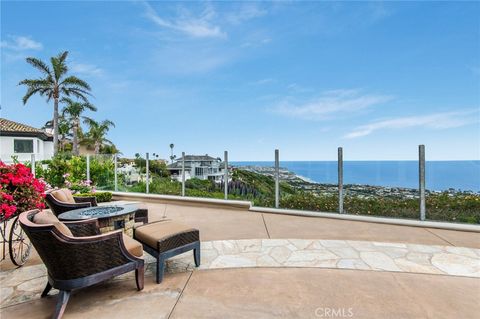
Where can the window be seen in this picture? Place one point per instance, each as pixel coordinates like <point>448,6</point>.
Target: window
<point>23,146</point>
<point>198,171</point>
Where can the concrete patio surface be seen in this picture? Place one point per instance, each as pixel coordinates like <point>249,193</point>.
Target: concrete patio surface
<point>419,279</point>
<point>270,293</point>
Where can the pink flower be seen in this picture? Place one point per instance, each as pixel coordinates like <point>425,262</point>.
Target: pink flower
<point>6,196</point>
<point>19,190</point>
<point>7,210</point>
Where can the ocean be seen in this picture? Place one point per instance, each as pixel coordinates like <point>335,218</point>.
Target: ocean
<point>440,175</point>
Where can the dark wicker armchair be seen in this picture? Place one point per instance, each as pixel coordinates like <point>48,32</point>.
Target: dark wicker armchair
<point>62,200</point>
<point>77,256</point>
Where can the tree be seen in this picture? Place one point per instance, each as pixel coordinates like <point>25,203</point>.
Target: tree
<point>73,112</point>
<point>96,136</point>
<point>110,149</point>
<point>172,157</point>
<point>63,132</point>
<point>54,84</point>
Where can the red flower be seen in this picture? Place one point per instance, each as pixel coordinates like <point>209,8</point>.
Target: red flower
<point>19,190</point>
<point>7,196</point>
<point>7,210</point>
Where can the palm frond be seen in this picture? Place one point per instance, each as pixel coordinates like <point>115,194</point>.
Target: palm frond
<point>76,83</point>
<point>107,141</point>
<point>107,123</point>
<point>35,83</point>
<point>90,122</point>
<point>62,56</point>
<point>90,106</point>
<point>86,119</point>
<point>31,91</point>
<point>66,100</point>
<point>39,65</point>
<point>59,67</point>
<point>74,93</point>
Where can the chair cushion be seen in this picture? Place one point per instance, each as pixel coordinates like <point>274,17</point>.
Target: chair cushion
<point>133,246</point>
<point>47,217</point>
<point>166,235</point>
<point>63,195</point>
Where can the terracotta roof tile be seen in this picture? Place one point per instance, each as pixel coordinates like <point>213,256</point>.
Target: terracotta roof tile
<point>11,126</point>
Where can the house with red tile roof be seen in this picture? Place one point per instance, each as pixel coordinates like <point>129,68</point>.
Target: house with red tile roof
<point>20,141</point>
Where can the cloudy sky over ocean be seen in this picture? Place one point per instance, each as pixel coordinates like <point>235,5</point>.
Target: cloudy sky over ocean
<point>249,77</point>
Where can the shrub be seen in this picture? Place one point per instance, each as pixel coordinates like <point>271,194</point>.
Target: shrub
<point>100,196</point>
<point>198,184</point>
<point>19,190</point>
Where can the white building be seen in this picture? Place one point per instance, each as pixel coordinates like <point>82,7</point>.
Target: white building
<point>21,141</point>
<point>130,172</point>
<point>202,167</point>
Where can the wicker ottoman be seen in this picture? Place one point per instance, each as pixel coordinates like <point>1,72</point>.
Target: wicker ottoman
<point>141,215</point>
<point>165,239</point>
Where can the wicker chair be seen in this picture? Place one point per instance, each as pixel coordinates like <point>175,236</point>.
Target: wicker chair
<point>62,200</point>
<point>77,256</point>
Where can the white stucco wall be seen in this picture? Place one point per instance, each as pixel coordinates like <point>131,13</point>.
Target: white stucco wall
<point>42,149</point>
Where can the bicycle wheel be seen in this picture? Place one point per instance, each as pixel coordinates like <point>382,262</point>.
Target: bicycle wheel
<point>19,245</point>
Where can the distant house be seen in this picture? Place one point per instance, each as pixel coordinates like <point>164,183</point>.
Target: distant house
<point>130,172</point>
<point>202,167</point>
<point>21,141</point>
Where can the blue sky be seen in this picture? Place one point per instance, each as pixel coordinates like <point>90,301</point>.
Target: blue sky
<point>249,77</point>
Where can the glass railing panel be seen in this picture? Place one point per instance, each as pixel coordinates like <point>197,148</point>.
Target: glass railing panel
<point>453,191</point>
<point>309,185</point>
<point>204,175</point>
<point>131,173</point>
<point>382,188</point>
<point>102,171</point>
<point>163,180</point>
<point>254,181</point>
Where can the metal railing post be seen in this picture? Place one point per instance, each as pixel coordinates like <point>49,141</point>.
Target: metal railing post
<point>88,167</point>
<point>32,164</point>
<point>277,179</point>
<point>340,180</point>
<point>115,159</point>
<point>225,156</point>
<point>147,171</point>
<point>421,175</point>
<point>183,173</point>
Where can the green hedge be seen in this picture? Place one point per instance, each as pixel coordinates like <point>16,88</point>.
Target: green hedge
<point>101,196</point>
<point>464,208</point>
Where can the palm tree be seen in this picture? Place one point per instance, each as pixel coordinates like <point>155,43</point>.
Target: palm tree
<point>73,112</point>
<point>96,135</point>
<point>172,157</point>
<point>63,132</point>
<point>54,84</point>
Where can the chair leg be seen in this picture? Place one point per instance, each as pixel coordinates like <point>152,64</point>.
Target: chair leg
<point>47,289</point>
<point>196,256</point>
<point>160,268</point>
<point>140,277</point>
<point>62,301</point>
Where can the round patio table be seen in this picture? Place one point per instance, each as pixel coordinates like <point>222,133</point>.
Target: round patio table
<point>109,217</point>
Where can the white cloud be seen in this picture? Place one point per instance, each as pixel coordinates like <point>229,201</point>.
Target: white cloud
<point>21,43</point>
<point>432,121</point>
<point>247,11</point>
<point>86,69</point>
<point>197,27</point>
<point>262,81</point>
<point>329,103</point>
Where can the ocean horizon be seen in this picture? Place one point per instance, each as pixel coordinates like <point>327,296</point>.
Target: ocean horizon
<point>439,175</point>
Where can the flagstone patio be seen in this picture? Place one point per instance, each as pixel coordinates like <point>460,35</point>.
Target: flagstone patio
<point>270,266</point>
